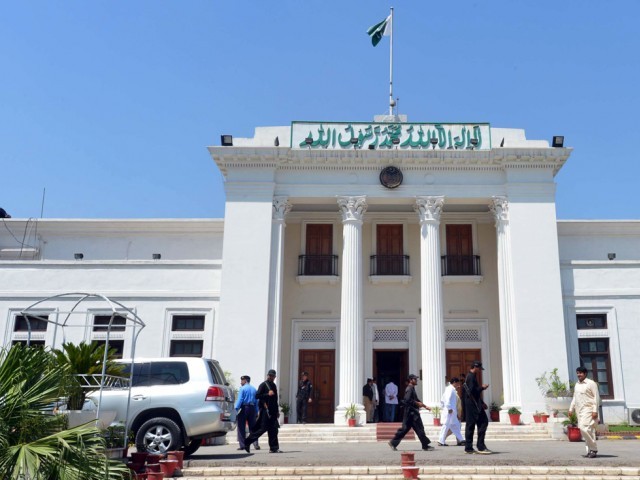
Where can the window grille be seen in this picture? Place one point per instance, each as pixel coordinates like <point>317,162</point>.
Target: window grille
<point>318,335</point>
<point>390,335</point>
<point>462,335</point>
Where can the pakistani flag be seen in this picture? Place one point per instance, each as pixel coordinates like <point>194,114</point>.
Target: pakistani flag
<point>379,29</point>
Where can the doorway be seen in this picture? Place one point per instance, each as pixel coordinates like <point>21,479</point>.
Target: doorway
<point>390,365</point>
<point>458,363</point>
<point>320,364</point>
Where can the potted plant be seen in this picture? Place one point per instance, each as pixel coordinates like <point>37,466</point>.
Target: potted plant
<point>573,432</point>
<point>286,409</point>
<point>537,417</point>
<point>557,393</point>
<point>544,416</point>
<point>494,412</point>
<point>351,414</point>
<point>514,415</point>
<point>435,411</point>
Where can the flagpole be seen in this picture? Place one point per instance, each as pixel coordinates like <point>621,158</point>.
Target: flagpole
<point>391,102</point>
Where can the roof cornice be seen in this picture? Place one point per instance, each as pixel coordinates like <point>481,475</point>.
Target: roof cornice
<point>287,158</point>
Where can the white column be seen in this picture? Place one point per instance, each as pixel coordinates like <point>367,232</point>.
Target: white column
<point>274,324</point>
<point>351,352</point>
<point>510,377</point>
<point>432,317</point>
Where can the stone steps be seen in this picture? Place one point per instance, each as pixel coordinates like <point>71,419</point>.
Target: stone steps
<point>329,433</point>
<point>395,472</point>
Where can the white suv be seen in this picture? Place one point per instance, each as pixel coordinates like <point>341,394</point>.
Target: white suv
<point>175,403</point>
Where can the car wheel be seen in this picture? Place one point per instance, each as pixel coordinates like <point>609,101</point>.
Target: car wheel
<point>192,447</point>
<point>158,435</point>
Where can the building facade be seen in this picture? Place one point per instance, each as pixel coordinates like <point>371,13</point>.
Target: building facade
<point>355,250</point>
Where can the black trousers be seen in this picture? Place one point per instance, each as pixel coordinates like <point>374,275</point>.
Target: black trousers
<point>475,417</point>
<point>266,423</point>
<point>411,420</point>
<point>301,409</point>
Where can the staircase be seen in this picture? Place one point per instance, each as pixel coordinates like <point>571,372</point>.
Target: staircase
<point>382,432</point>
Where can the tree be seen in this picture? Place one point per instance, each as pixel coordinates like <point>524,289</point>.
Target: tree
<point>34,443</point>
<point>84,358</point>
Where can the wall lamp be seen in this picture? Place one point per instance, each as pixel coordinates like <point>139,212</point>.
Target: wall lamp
<point>372,146</point>
<point>395,141</point>
<point>354,142</point>
<point>558,141</point>
<point>308,141</point>
<point>434,142</point>
<point>156,256</point>
<point>226,140</point>
<point>78,256</point>
<point>474,143</point>
<point>611,256</point>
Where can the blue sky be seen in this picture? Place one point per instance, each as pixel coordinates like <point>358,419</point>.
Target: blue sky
<point>110,105</point>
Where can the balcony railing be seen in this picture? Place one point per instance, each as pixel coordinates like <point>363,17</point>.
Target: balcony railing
<point>390,265</point>
<point>315,265</point>
<point>460,265</point>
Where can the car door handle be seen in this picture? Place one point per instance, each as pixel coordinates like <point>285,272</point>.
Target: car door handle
<point>138,397</point>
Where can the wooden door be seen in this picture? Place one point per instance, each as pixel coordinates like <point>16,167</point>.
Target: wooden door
<point>458,365</point>
<point>321,367</point>
<point>459,250</point>
<point>389,249</point>
<point>319,249</point>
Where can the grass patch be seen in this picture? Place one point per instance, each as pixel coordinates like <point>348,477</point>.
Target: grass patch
<point>624,428</point>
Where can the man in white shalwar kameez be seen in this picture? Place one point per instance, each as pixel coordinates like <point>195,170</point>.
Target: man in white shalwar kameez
<point>449,403</point>
<point>586,400</point>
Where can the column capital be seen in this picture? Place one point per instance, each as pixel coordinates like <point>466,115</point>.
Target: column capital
<point>281,207</point>
<point>429,209</point>
<point>352,208</point>
<point>499,206</point>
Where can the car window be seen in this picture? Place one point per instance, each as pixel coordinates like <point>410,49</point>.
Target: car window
<point>217,375</point>
<point>168,373</point>
<point>140,374</point>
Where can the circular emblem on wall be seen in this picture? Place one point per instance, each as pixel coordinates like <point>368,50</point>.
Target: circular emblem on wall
<point>391,177</point>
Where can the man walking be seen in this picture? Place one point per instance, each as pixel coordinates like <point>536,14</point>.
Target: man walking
<point>246,408</point>
<point>411,419</point>
<point>303,398</point>
<point>474,413</point>
<point>451,423</point>
<point>390,401</point>
<point>586,400</point>
<point>267,398</point>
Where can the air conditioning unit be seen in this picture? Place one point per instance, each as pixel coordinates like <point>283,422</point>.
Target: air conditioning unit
<point>634,416</point>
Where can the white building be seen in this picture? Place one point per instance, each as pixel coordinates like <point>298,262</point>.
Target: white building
<point>336,264</point>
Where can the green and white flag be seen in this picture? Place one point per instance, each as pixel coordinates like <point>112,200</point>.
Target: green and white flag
<point>379,29</point>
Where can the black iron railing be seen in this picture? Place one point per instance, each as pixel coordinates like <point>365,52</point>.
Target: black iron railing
<point>318,265</point>
<point>389,264</point>
<point>460,265</point>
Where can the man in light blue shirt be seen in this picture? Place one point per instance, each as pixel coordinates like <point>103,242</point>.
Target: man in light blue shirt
<point>246,409</point>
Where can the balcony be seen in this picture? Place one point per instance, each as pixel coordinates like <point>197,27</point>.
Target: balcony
<point>461,268</point>
<point>317,269</point>
<point>389,269</point>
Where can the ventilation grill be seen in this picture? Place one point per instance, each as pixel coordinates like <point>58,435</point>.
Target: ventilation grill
<point>463,335</point>
<point>318,335</point>
<point>390,335</point>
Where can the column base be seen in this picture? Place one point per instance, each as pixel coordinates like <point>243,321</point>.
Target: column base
<point>340,419</point>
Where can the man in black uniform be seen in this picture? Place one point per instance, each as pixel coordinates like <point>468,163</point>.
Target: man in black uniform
<point>474,411</point>
<point>411,419</point>
<point>303,398</point>
<point>267,398</point>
